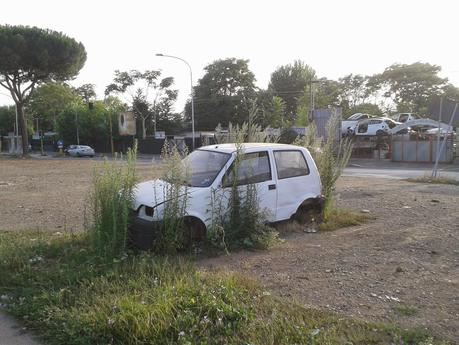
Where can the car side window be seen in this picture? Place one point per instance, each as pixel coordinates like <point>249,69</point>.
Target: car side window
<point>290,164</point>
<point>253,168</point>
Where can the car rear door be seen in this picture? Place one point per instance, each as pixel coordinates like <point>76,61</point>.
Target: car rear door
<point>293,178</point>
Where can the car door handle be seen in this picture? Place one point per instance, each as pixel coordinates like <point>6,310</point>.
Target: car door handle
<point>271,186</point>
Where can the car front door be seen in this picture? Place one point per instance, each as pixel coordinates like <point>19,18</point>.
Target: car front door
<point>253,170</point>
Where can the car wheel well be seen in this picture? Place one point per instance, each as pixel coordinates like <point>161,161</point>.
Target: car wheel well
<point>308,209</point>
<point>195,229</point>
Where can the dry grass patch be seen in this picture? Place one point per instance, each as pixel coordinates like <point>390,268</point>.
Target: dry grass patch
<point>342,218</point>
<point>434,180</point>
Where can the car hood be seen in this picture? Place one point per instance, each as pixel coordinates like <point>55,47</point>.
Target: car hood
<point>153,193</point>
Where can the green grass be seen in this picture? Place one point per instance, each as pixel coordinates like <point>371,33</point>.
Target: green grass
<point>68,295</point>
<point>405,310</point>
<point>434,180</point>
<point>341,217</point>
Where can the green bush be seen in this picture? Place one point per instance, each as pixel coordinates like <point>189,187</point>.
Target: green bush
<point>111,199</point>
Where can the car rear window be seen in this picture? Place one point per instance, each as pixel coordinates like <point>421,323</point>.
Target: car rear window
<point>290,164</point>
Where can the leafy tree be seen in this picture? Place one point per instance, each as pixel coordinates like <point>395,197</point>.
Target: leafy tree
<point>7,119</point>
<point>366,108</point>
<point>325,92</point>
<point>451,91</point>
<point>289,82</point>
<point>141,108</point>
<point>274,113</point>
<point>222,94</point>
<point>114,106</point>
<point>49,100</point>
<point>353,91</point>
<point>30,56</point>
<point>93,124</point>
<point>410,87</point>
<point>147,92</point>
<point>87,92</point>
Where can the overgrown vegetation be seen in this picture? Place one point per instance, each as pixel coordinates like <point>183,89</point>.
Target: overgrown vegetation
<point>170,238</point>
<point>405,310</point>
<point>237,218</point>
<point>248,132</point>
<point>110,199</point>
<point>434,180</point>
<point>67,294</point>
<point>331,156</point>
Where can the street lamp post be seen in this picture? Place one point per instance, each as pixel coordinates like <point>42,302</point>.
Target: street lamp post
<point>191,84</point>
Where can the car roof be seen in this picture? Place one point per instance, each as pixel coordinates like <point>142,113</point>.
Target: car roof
<point>230,148</point>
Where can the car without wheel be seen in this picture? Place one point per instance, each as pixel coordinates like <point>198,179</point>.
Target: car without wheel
<point>375,126</point>
<point>285,176</point>
<point>348,125</point>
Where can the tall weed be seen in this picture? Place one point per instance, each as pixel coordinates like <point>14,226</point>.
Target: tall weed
<point>248,132</point>
<point>170,238</point>
<point>111,199</point>
<point>331,156</point>
<point>242,223</point>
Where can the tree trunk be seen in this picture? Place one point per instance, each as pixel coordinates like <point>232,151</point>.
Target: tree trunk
<point>23,126</point>
<point>144,131</point>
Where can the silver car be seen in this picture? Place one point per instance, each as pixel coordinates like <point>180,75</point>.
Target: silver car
<point>80,151</point>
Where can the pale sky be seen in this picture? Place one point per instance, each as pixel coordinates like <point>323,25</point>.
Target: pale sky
<point>334,37</point>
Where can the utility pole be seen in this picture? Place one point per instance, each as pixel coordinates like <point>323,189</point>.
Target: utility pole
<point>311,96</point>
<point>17,129</point>
<point>76,122</point>
<point>111,133</point>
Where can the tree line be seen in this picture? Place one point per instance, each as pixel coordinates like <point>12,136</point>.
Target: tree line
<point>36,64</point>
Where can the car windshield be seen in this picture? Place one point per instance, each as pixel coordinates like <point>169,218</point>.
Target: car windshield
<point>203,166</point>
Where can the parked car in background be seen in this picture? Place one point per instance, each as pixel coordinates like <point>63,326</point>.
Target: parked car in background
<point>70,147</point>
<point>80,151</point>
<point>285,176</point>
<point>375,126</point>
<point>405,117</point>
<point>348,125</point>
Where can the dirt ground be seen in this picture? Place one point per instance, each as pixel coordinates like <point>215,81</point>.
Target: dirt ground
<point>401,267</point>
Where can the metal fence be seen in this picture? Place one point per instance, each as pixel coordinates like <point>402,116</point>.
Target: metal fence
<point>321,118</point>
<point>420,150</point>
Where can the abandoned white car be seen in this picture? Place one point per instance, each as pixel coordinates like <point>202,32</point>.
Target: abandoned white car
<point>285,176</point>
<point>348,125</point>
<point>375,126</point>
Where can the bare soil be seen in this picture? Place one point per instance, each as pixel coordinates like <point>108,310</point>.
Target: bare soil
<point>401,267</point>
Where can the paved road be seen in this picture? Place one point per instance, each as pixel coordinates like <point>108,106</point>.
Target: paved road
<point>12,334</point>
<point>395,171</point>
<point>357,167</point>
